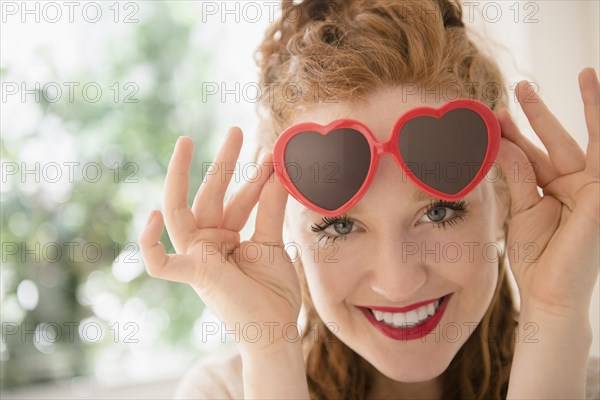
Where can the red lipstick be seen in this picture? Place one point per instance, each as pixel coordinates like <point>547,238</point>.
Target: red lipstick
<point>414,332</point>
<point>402,309</point>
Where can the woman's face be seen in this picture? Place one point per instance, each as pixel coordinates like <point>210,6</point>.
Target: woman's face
<point>395,252</point>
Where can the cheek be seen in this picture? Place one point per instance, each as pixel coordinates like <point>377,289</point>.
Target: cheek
<point>478,273</point>
<point>467,250</point>
<point>331,276</point>
<point>475,299</point>
<point>475,278</point>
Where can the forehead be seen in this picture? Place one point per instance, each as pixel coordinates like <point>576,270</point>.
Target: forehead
<point>379,111</point>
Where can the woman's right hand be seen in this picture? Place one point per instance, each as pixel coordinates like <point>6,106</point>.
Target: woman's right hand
<point>251,287</point>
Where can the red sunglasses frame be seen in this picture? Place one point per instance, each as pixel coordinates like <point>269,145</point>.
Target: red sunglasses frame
<point>388,146</point>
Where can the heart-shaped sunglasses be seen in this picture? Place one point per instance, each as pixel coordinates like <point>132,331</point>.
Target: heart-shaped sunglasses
<point>445,151</point>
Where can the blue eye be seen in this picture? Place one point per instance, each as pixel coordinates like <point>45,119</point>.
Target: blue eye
<point>436,212</point>
<point>342,226</point>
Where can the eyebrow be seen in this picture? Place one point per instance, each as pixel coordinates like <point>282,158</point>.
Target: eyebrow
<point>420,195</point>
<point>417,196</point>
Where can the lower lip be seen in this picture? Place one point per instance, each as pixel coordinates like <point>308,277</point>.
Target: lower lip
<point>415,332</point>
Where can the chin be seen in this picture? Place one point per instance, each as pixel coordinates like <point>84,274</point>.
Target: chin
<point>416,373</point>
<point>416,368</point>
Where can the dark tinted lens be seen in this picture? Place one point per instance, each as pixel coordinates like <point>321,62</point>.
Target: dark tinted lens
<point>445,153</point>
<point>328,169</point>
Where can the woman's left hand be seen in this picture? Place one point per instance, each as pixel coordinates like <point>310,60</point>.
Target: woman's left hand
<point>553,240</point>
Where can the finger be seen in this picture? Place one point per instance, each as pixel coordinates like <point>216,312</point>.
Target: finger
<point>539,160</point>
<point>590,93</point>
<point>208,203</point>
<point>523,191</point>
<point>271,212</point>
<point>241,204</point>
<point>176,268</point>
<point>565,153</point>
<point>178,216</point>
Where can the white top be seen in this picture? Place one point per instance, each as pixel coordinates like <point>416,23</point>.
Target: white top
<point>219,376</point>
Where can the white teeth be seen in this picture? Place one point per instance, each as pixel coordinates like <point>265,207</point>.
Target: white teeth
<point>430,309</point>
<point>412,317</point>
<point>422,313</point>
<point>388,317</point>
<point>407,319</point>
<point>399,319</point>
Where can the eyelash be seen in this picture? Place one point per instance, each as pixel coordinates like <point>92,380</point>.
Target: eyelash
<point>460,208</point>
<point>327,222</point>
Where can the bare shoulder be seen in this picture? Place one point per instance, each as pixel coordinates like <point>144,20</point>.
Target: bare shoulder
<point>593,378</point>
<point>216,376</point>
<point>219,376</point>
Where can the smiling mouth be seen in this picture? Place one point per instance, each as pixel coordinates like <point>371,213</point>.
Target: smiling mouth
<point>408,319</point>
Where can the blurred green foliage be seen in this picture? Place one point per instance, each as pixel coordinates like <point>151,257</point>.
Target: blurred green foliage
<point>136,136</point>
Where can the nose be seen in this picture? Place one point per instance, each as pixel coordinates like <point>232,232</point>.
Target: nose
<point>395,275</point>
<point>396,272</point>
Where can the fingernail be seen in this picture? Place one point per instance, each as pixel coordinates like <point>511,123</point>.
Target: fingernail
<point>151,217</point>
<point>502,113</point>
<point>231,130</point>
<point>590,80</point>
<point>180,138</point>
<point>530,88</point>
<point>595,75</point>
<point>265,157</point>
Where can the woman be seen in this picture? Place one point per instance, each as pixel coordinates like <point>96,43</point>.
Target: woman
<point>373,61</point>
